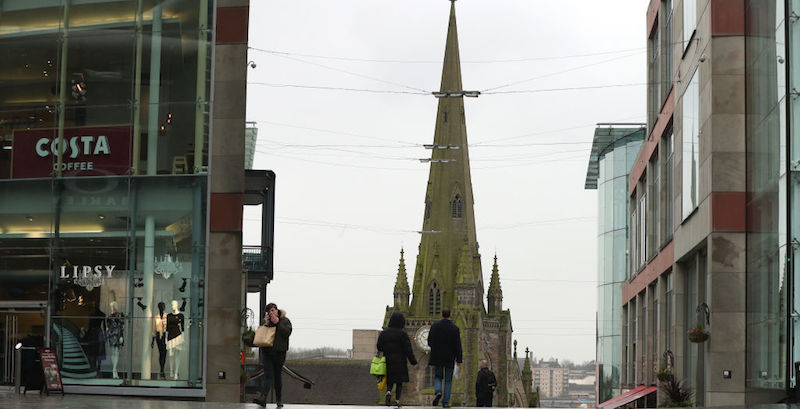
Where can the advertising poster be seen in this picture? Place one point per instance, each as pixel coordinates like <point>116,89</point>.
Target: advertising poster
<point>88,151</point>
<point>52,376</point>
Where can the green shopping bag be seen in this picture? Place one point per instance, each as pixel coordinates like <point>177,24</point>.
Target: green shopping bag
<point>378,366</point>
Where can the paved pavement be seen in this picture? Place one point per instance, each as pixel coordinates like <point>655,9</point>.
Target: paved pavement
<point>33,400</point>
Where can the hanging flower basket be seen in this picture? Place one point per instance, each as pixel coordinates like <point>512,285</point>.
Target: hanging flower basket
<point>698,334</point>
<point>247,337</point>
<point>664,376</point>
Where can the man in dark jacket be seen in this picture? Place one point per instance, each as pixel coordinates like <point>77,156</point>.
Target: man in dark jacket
<point>485,385</point>
<point>272,358</point>
<point>444,339</point>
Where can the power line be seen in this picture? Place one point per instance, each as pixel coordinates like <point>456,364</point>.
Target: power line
<point>325,223</point>
<point>399,61</point>
<point>350,73</point>
<point>488,90</point>
<point>391,276</point>
<point>338,164</point>
<point>414,144</point>
<point>372,91</point>
<point>421,93</point>
<point>587,125</point>
<point>532,91</point>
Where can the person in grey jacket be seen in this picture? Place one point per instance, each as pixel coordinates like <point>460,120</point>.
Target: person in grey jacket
<point>272,358</point>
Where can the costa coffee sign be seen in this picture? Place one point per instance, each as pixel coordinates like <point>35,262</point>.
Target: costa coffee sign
<point>91,151</point>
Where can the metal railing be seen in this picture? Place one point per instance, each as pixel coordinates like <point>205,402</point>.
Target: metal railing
<point>254,258</point>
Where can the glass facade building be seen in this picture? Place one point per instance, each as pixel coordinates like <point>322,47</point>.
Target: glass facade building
<point>614,151</point>
<point>772,67</point>
<point>104,135</point>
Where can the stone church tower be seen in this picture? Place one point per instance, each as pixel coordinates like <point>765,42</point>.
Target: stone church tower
<point>447,272</point>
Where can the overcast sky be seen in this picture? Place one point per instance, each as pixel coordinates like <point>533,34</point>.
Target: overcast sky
<point>350,188</point>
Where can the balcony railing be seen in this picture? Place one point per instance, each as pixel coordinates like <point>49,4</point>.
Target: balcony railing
<point>254,259</point>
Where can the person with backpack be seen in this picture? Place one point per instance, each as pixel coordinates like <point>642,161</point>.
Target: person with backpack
<point>396,347</point>
<point>485,385</point>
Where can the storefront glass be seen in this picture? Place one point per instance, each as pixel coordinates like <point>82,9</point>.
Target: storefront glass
<point>766,199</point>
<point>103,186</point>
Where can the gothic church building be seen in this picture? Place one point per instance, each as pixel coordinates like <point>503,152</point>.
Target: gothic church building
<point>447,272</point>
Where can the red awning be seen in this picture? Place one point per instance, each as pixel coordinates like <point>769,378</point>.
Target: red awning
<point>628,397</point>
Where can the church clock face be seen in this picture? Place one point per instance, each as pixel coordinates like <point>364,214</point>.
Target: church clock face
<point>422,338</point>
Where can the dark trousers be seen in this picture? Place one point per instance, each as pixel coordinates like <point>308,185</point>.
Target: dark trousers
<point>484,399</point>
<point>398,389</point>
<point>273,367</point>
<point>161,341</point>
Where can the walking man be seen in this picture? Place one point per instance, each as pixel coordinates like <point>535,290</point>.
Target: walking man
<point>444,339</point>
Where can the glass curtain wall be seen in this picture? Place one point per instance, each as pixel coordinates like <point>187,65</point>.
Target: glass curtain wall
<point>103,160</point>
<point>614,166</point>
<point>767,259</point>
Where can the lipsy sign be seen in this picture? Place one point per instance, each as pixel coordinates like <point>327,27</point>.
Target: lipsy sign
<point>86,271</point>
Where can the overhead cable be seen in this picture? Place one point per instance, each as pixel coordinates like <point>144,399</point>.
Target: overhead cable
<point>399,61</point>
<point>559,72</point>
<point>350,73</point>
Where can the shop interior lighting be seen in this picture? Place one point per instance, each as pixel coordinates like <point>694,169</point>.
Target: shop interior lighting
<point>29,218</point>
<point>101,217</point>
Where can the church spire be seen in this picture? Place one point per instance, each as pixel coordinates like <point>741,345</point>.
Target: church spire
<point>448,223</point>
<point>401,291</point>
<point>451,72</point>
<point>527,375</point>
<point>495,293</point>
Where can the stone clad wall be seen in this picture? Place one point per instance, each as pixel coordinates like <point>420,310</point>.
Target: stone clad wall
<point>336,382</point>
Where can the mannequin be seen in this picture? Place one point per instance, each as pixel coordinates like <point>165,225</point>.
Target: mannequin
<point>95,335</point>
<point>174,338</point>
<point>115,335</point>
<point>160,336</point>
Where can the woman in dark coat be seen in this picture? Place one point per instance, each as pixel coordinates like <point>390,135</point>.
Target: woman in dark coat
<point>395,345</point>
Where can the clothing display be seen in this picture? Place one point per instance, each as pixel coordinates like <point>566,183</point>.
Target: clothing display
<point>175,330</point>
<point>160,335</point>
<point>95,338</point>
<point>161,342</point>
<point>116,328</point>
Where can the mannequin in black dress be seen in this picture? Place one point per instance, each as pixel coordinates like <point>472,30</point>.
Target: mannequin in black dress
<point>174,338</point>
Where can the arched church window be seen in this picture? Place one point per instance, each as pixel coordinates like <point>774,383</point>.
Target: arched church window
<point>427,208</point>
<point>434,300</point>
<point>457,207</point>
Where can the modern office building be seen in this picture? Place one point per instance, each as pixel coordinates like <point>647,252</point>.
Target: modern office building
<point>614,149</point>
<point>121,191</point>
<point>710,293</point>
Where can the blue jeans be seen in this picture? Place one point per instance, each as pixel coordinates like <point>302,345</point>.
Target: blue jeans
<point>440,373</point>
